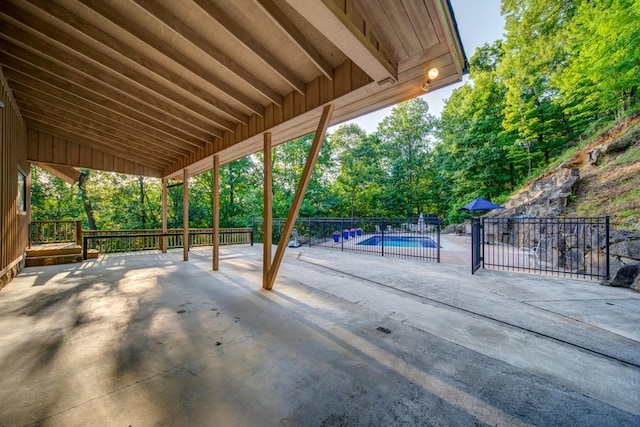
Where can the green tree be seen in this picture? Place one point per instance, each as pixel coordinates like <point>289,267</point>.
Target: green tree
<point>600,79</point>
<point>474,156</point>
<point>52,198</point>
<point>356,189</point>
<point>405,137</point>
<point>240,187</point>
<point>288,162</point>
<point>533,54</point>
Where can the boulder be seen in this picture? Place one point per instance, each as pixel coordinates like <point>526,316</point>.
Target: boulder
<point>574,261</point>
<point>626,248</point>
<point>594,156</point>
<point>596,262</point>
<point>627,276</point>
<point>618,145</point>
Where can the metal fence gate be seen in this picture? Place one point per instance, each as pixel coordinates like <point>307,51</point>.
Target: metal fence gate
<point>417,237</point>
<point>476,245</point>
<point>567,247</point>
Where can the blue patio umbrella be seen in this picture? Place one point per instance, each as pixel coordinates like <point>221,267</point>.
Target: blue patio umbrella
<point>480,204</point>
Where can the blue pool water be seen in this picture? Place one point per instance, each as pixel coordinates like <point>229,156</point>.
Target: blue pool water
<point>401,241</point>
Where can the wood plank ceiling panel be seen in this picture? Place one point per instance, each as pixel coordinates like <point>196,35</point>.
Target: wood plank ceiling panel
<point>65,50</point>
<point>170,84</point>
<point>41,81</point>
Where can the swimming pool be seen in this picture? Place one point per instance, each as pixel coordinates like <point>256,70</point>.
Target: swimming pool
<point>401,241</point>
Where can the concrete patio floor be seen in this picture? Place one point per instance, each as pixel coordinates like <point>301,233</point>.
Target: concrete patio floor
<point>343,340</point>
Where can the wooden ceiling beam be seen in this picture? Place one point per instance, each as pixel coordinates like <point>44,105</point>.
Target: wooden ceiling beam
<point>96,112</point>
<point>88,142</point>
<point>105,74</point>
<point>131,54</point>
<point>178,57</point>
<point>68,174</point>
<point>88,89</point>
<point>329,18</point>
<point>70,113</point>
<point>94,102</point>
<point>296,36</point>
<point>163,15</point>
<point>241,35</point>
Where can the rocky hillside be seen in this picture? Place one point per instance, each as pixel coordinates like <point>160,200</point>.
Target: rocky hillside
<point>601,178</point>
<point>610,177</point>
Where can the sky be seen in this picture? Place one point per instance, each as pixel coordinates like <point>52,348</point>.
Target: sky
<point>479,22</point>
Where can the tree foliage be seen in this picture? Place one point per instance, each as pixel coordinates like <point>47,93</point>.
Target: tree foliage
<point>601,75</point>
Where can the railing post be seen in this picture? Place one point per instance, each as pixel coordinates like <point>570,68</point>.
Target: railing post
<point>84,247</point>
<point>79,233</point>
<point>606,236</point>
<point>481,240</point>
<point>438,243</point>
<point>251,236</point>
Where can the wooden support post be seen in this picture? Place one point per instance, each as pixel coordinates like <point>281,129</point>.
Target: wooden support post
<point>79,233</point>
<point>300,192</point>
<point>185,214</point>
<point>267,214</point>
<point>215,242</point>
<point>163,240</point>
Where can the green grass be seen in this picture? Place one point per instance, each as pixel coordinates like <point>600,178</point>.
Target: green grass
<point>630,196</point>
<point>632,155</point>
<point>628,213</point>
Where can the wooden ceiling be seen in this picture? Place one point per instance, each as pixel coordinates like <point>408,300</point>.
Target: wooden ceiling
<point>163,84</point>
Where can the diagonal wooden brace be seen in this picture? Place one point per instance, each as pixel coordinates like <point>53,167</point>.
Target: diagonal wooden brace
<point>299,196</point>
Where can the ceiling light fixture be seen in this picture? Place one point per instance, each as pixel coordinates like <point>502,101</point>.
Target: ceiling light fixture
<point>432,74</point>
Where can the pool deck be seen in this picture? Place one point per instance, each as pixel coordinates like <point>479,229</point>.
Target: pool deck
<point>342,340</point>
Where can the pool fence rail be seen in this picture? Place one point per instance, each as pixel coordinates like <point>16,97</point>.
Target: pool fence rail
<point>417,237</point>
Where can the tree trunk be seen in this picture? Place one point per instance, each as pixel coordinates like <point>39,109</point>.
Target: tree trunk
<point>84,175</point>
<point>512,176</point>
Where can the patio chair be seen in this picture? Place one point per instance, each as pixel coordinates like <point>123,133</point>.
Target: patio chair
<point>378,229</point>
<point>467,231</point>
<point>531,253</point>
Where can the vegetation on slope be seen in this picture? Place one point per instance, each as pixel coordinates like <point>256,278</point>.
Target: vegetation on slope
<point>613,186</point>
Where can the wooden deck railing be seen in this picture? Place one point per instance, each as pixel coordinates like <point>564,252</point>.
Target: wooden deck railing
<point>110,241</point>
<point>44,232</point>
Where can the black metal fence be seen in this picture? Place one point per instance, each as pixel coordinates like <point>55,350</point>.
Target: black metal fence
<point>568,247</point>
<point>417,237</point>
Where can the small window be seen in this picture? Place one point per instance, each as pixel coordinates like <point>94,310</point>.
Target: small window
<point>22,192</point>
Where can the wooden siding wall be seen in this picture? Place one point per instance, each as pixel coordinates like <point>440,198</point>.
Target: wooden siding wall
<point>45,148</point>
<point>13,158</point>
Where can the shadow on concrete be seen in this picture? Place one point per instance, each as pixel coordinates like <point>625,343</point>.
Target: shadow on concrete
<point>150,339</point>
